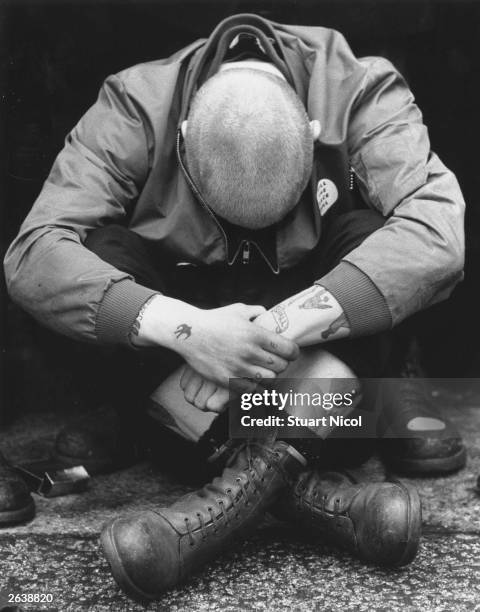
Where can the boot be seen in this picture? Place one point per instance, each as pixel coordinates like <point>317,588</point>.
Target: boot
<point>102,441</point>
<point>99,441</point>
<point>418,439</point>
<point>151,551</point>
<point>378,522</point>
<point>16,503</point>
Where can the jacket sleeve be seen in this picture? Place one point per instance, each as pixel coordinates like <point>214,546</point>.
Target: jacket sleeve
<point>94,181</point>
<point>417,257</point>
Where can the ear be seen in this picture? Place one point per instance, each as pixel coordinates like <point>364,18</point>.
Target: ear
<point>183,127</point>
<point>315,127</point>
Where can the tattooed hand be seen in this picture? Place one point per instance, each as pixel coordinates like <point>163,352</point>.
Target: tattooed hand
<point>219,344</point>
<point>225,344</point>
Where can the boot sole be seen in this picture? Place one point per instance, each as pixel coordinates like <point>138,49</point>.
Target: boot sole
<point>414,525</point>
<point>21,515</point>
<point>107,542</point>
<point>436,465</point>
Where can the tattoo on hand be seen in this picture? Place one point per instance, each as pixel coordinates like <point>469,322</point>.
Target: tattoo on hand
<point>335,326</point>
<point>319,300</point>
<point>280,317</point>
<point>183,330</point>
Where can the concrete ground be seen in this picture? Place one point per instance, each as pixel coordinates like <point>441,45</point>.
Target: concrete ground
<point>276,569</point>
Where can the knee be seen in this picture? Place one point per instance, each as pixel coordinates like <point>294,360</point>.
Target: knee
<point>316,362</point>
<point>315,365</point>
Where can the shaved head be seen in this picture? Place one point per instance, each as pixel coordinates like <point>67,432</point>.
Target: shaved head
<point>249,146</point>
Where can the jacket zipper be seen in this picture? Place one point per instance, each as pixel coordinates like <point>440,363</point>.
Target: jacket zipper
<point>246,252</point>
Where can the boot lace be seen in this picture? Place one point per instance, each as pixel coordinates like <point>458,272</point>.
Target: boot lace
<point>253,476</point>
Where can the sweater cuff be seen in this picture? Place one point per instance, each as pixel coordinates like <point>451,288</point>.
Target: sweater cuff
<point>363,304</point>
<point>118,311</point>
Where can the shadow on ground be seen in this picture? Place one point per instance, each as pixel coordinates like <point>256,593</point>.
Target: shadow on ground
<point>276,569</point>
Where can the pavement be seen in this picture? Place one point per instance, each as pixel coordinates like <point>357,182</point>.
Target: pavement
<point>277,569</point>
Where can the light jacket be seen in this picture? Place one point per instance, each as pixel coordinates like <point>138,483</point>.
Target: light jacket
<point>123,163</point>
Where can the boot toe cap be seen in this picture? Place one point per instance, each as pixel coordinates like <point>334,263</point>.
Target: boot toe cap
<point>391,525</point>
<point>142,550</point>
<point>75,443</point>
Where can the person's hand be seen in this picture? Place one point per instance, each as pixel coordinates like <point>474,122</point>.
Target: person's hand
<point>224,344</point>
<point>202,393</point>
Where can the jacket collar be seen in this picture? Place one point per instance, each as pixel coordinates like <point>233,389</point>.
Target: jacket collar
<point>208,60</point>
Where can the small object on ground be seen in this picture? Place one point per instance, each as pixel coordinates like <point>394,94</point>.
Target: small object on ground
<point>16,503</point>
<point>52,480</point>
<point>380,522</point>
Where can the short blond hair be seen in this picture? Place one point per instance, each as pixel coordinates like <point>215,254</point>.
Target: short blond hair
<point>249,146</point>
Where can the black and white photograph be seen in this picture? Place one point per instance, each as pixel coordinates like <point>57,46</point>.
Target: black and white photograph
<point>240,337</point>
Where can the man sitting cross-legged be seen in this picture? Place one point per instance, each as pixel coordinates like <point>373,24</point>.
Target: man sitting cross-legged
<point>261,204</point>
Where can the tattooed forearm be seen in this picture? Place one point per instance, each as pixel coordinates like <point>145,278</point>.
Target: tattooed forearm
<point>319,300</point>
<point>183,330</point>
<point>279,315</point>
<point>335,326</point>
<point>301,295</point>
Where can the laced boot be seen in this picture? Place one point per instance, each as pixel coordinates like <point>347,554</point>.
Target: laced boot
<point>151,551</point>
<point>378,522</point>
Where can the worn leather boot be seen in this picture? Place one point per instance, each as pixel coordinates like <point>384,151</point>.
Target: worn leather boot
<point>16,503</point>
<point>418,438</point>
<point>151,551</point>
<point>103,442</point>
<point>378,522</point>
<point>98,440</point>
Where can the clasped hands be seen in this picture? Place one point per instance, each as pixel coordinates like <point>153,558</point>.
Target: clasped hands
<point>239,342</point>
